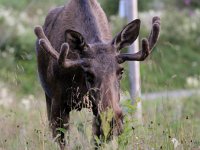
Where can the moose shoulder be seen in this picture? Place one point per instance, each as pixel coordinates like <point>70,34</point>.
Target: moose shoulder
<point>79,63</point>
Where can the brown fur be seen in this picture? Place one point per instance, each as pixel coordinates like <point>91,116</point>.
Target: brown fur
<point>86,71</point>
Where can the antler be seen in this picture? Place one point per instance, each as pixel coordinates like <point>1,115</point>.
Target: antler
<point>147,45</point>
<point>60,57</point>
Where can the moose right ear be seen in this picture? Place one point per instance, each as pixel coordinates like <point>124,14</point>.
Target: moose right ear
<point>75,40</point>
<point>128,35</point>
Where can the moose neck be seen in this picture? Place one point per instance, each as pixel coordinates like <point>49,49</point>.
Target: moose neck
<point>90,26</point>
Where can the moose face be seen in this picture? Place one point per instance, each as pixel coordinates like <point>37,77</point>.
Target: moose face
<point>103,74</point>
<point>103,71</point>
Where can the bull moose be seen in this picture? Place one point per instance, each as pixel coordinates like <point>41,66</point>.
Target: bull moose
<point>79,63</point>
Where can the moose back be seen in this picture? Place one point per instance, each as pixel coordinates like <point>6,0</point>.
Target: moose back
<point>79,63</point>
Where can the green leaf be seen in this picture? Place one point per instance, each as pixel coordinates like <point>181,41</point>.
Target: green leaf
<point>61,130</point>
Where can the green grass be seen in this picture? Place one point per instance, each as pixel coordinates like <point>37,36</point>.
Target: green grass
<point>164,120</point>
<point>169,68</point>
<point>23,4</point>
<point>174,60</point>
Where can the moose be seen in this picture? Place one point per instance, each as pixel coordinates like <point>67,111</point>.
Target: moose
<point>80,64</point>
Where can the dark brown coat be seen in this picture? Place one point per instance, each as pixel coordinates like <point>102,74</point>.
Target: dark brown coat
<point>79,62</point>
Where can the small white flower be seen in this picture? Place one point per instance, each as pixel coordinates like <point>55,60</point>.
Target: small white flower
<point>23,17</point>
<point>192,82</point>
<point>39,11</point>
<point>175,142</point>
<point>26,104</point>
<point>21,29</point>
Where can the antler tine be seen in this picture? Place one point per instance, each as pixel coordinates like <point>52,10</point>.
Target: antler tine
<point>44,42</point>
<point>62,57</point>
<point>139,56</point>
<point>147,44</point>
<point>153,37</point>
<point>48,48</point>
<point>66,63</point>
<point>40,33</point>
<point>63,54</point>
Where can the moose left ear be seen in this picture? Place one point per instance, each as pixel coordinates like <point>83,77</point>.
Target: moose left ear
<point>75,40</point>
<point>128,35</point>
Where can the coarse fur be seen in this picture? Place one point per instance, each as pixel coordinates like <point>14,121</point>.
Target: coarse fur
<point>86,71</point>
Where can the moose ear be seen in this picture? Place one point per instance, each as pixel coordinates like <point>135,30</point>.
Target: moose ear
<point>128,35</point>
<point>75,40</point>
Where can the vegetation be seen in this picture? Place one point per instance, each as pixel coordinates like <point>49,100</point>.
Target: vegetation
<point>174,64</point>
<point>165,126</point>
<point>177,45</point>
<point>110,9</point>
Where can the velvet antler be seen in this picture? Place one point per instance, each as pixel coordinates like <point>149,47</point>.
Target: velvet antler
<point>147,44</point>
<point>60,57</point>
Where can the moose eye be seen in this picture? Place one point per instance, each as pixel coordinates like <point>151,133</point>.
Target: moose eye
<point>120,73</point>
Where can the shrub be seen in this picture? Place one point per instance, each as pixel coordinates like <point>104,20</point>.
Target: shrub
<point>110,7</point>
<point>176,55</point>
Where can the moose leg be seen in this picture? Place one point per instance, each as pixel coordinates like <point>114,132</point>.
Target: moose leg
<point>97,130</point>
<point>65,126</point>
<point>48,104</point>
<point>59,122</point>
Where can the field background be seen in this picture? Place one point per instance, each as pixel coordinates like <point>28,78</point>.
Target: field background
<point>169,123</point>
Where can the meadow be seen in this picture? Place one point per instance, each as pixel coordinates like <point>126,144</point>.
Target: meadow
<point>168,123</point>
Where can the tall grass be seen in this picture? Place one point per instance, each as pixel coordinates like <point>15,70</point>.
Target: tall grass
<point>167,124</point>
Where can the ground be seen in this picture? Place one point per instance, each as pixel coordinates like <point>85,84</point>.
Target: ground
<point>167,124</point>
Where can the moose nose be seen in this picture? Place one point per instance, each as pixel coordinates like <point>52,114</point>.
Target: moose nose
<point>110,99</point>
<point>110,96</point>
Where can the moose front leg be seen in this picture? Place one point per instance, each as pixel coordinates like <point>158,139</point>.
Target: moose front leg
<point>48,105</point>
<point>59,122</point>
<point>97,132</point>
<point>115,122</point>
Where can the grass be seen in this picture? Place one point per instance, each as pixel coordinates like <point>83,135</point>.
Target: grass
<point>173,62</point>
<point>30,3</point>
<point>165,121</point>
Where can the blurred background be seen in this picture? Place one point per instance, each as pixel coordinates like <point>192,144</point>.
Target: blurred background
<point>170,121</point>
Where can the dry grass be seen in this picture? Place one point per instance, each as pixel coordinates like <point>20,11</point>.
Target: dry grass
<point>167,125</point>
